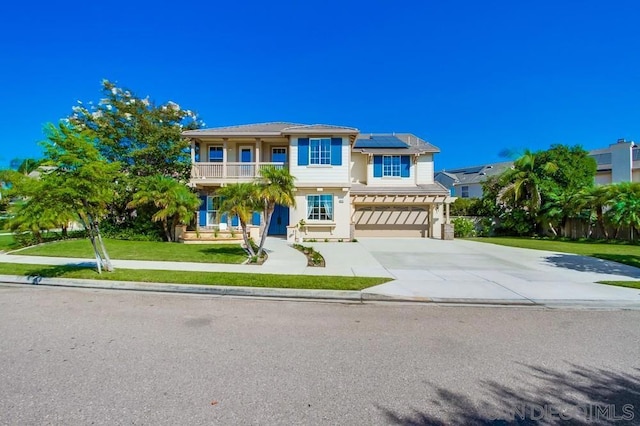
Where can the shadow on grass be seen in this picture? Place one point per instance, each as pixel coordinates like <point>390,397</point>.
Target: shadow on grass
<point>223,249</point>
<point>579,396</point>
<point>627,259</point>
<point>55,271</point>
<point>601,265</point>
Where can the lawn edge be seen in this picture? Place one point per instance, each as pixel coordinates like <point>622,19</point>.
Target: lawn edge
<point>635,284</point>
<point>216,290</point>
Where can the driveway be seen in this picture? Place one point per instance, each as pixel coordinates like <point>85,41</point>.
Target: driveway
<point>445,270</point>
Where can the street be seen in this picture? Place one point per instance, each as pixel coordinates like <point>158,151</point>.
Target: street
<point>75,356</point>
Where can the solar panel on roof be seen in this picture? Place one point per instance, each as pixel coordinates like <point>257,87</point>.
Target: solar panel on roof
<point>473,170</point>
<point>380,142</point>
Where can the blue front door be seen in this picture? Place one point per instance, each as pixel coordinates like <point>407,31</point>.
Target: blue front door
<point>279,221</point>
<point>246,156</point>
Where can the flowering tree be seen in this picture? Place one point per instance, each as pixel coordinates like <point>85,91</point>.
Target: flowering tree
<point>136,132</point>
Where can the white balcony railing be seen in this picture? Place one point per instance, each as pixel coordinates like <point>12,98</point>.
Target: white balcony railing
<point>231,171</point>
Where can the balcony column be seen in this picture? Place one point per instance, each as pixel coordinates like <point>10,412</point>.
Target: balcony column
<point>194,169</point>
<point>257,154</point>
<point>446,210</point>
<point>224,157</point>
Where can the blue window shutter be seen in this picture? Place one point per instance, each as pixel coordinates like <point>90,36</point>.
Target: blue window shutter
<point>256,218</point>
<point>377,166</point>
<point>202,214</point>
<point>303,151</point>
<point>223,218</point>
<point>235,221</point>
<point>405,166</point>
<point>336,151</point>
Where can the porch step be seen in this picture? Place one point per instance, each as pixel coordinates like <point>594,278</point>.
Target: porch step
<point>204,237</point>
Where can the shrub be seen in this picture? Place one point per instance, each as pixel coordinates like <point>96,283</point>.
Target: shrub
<point>28,239</point>
<point>463,227</point>
<point>134,231</point>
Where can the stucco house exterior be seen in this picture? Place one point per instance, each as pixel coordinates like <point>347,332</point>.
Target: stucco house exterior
<point>348,184</point>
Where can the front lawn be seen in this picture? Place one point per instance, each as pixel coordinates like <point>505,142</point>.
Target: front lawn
<point>206,278</point>
<point>143,250</point>
<point>629,254</point>
<point>6,242</point>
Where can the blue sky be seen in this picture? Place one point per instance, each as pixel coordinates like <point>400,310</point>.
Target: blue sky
<point>473,78</point>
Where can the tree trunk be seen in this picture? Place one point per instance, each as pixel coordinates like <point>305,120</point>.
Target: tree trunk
<point>92,238</point>
<point>263,238</point>
<point>107,261</point>
<point>600,219</point>
<point>165,227</point>
<point>245,237</point>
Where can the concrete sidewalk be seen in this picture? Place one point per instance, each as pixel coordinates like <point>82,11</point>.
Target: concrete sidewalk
<point>426,270</point>
<point>283,259</point>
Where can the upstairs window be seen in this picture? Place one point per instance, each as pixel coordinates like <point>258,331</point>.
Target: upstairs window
<point>215,154</point>
<point>391,166</point>
<point>464,191</point>
<point>320,151</point>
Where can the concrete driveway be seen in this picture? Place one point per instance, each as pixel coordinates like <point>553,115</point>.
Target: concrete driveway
<point>481,272</point>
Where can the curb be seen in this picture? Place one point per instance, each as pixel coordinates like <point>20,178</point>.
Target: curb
<point>351,296</point>
<point>290,293</point>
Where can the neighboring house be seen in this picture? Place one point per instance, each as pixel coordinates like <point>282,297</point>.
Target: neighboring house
<point>620,162</point>
<point>347,184</point>
<point>467,182</point>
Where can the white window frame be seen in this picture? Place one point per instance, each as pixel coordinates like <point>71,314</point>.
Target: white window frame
<point>213,208</point>
<point>323,152</point>
<point>317,208</point>
<point>391,170</point>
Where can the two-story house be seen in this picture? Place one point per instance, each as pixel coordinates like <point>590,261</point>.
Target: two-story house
<point>348,184</point>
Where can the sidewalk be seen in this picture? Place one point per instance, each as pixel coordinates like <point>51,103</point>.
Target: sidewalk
<point>283,260</point>
<point>422,270</point>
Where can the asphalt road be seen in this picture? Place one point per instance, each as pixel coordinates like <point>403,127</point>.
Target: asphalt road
<point>72,356</point>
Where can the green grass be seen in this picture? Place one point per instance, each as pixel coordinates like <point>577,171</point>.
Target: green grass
<point>143,250</point>
<point>206,278</point>
<point>629,254</point>
<point>630,284</point>
<point>6,242</point>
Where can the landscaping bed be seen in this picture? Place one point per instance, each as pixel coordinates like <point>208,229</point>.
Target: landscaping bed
<point>314,258</point>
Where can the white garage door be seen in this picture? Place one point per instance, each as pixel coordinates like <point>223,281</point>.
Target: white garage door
<point>391,221</point>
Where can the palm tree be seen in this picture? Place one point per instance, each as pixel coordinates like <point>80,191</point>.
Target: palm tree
<point>25,165</point>
<point>625,205</point>
<point>174,201</point>
<point>521,186</point>
<point>275,187</point>
<point>241,199</point>
<point>597,200</point>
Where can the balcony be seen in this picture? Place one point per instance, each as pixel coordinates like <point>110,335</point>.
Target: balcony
<point>228,172</point>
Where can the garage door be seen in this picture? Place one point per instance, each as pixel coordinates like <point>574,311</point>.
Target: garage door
<point>391,221</point>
